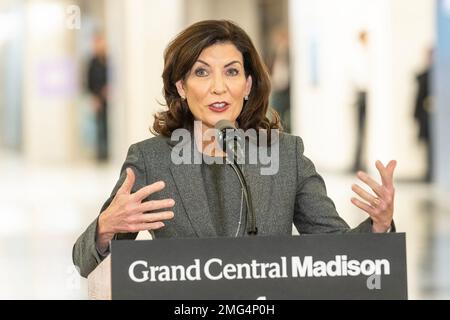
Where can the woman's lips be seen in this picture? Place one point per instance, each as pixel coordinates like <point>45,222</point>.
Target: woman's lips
<point>218,106</point>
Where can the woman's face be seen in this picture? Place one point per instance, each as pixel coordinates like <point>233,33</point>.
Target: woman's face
<point>216,85</point>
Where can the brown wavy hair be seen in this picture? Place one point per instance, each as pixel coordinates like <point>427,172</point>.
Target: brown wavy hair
<point>182,53</point>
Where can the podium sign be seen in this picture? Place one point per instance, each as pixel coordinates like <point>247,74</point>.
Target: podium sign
<point>345,266</point>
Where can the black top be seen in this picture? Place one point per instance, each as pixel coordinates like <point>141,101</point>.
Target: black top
<point>224,195</point>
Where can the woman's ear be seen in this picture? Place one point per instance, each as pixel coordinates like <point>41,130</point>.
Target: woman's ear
<point>248,85</point>
<point>180,88</point>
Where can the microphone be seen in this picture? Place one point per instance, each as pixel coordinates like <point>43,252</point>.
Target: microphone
<point>229,139</point>
<point>232,143</point>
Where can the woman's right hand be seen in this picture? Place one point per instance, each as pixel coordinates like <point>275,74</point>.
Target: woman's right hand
<point>128,214</point>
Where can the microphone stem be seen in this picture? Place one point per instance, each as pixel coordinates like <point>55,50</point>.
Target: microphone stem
<point>253,230</point>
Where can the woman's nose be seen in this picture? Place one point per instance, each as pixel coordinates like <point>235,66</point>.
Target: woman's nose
<point>218,85</point>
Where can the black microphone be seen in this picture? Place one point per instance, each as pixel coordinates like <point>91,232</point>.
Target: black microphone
<point>230,142</point>
<point>229,139</point>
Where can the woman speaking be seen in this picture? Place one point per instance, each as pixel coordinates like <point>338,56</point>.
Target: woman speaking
<point>212,72</point>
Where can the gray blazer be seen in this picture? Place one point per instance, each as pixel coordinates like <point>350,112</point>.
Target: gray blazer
<point>296,194</point>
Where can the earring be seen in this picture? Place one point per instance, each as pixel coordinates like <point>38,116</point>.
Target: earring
<point>246,98</point>
<point>183,98</point>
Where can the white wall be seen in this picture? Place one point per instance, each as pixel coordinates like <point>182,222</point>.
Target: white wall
<point>138,32</point>
<point>324,115</point>
<point>243,12</point>
<point>50,86</point>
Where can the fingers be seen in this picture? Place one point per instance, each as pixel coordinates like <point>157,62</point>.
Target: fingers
<point>156,217</point>
<point>128,184</point>
<point>363,206</point>
<point>391,165</point>
<point>147,226</point>
<point>387,173</point>
<point>374,201</point>
<point>390,168</point>
<point>364,177</point>
<point>156,205</point>
<point>148,221</point>
<point>144,192</point>
<point>379,207</point>
<point>383,172</point>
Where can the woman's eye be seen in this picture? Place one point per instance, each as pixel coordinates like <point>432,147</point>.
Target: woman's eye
<point>232,72</point>
<point>201,72</point>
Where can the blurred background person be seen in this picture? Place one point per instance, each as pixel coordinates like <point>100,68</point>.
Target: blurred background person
<point>422,113</point>
<point>280,76</point>
<point>360,79</point>
<point>97,85</point>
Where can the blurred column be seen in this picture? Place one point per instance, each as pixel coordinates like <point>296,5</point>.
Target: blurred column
<point>50,84</point>
<point>138,32</point>
<point>243,12</point>
<point>442,96</point>
<point>11,49</point>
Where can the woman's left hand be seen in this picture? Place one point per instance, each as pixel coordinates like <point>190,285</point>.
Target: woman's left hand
<point>380,206</point>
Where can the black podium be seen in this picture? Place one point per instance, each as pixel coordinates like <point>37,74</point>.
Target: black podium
<point>344,266</point>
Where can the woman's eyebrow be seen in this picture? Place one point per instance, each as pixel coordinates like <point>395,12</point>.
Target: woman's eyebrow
<point>227,65</point>
<point>201,61</point>
<point>233,62</point>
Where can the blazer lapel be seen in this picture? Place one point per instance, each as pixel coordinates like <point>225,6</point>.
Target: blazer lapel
<point>261,189</point>
<point>189,182</point>
<point>261,186</point>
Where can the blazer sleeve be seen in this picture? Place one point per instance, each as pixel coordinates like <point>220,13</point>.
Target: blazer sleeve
<point>314,211</point>
<point>84,253</point>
